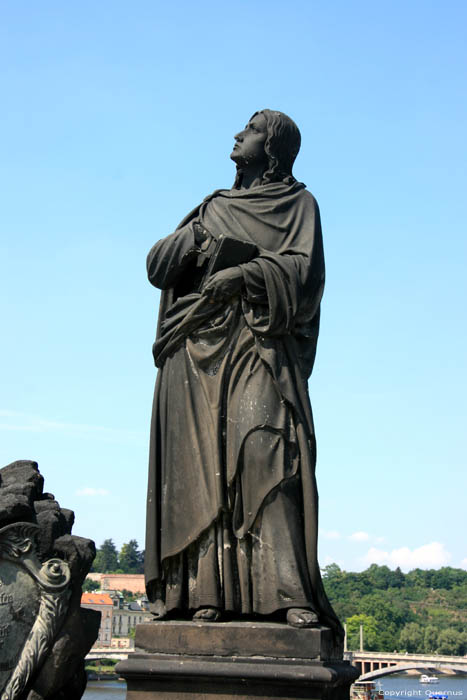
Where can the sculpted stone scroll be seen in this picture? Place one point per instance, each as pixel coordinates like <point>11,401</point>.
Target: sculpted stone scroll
<point>44,632</point>
<point>33,604</point>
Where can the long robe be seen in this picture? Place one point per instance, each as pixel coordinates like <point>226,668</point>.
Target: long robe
<point>232,500</point>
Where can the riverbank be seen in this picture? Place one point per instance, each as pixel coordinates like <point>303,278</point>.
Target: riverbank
<point>393,687</point>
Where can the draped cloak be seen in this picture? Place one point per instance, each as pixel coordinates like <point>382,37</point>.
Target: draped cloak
<point>232,421</point>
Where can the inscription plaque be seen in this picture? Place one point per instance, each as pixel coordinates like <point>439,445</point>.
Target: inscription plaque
<point>33,603</point>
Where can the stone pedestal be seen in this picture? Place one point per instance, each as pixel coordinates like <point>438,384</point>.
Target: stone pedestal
<point>233,660</point>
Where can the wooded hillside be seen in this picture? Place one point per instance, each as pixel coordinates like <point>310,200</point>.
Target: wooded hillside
<point>419,612</point>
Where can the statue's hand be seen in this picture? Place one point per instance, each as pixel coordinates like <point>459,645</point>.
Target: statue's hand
<point>224,284</point>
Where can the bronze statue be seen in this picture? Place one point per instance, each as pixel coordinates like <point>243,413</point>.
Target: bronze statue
<point>232,499</point>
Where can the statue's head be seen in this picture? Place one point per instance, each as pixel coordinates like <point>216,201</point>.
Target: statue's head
<point>278,139</point>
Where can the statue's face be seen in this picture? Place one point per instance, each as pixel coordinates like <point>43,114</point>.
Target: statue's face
<point>249,143</point>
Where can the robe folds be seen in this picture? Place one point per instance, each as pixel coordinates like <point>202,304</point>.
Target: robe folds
<point>232,499</point>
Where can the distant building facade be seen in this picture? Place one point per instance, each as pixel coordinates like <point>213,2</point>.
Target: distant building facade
<point>124,620</point>
<point>122,643</point>
<point>104,604</point>
<point>118,619</point>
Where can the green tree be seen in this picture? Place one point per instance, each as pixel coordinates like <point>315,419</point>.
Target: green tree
<point>106,560</point>
<point>447,578</point>
<point>397,578</point>
<point>412,638</point>
<point>378,576</point>
<point>416,577</point>
<point>435,600</point>
<point>370,632</point>
<point>430,640</point>
<point>89,585</point>
<point>332,571</point>
<point>128,596</point>
<point>451,642</point>
<point>131,559</point>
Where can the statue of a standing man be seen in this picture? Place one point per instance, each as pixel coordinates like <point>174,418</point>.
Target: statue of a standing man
<point>232,499</point>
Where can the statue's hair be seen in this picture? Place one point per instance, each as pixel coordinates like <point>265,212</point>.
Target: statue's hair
<point>281,147</point>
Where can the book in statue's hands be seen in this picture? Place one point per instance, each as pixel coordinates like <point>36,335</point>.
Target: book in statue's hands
<point>228,252</point>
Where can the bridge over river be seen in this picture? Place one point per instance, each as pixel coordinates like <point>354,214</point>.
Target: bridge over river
<point>374,664</point>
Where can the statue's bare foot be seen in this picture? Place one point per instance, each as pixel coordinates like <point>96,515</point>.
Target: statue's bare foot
<point>158,609</point>
<point>207,615</point>
<point>302,617</point>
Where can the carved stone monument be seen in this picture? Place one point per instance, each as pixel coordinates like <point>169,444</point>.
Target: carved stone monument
<point>44,634</point>
<point>232,509</point>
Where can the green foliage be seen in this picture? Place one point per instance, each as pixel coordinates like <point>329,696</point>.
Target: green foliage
<point>422,611</point>
<point>430,640</point>
<point>102,666</point>
<point>331,571</point>
<point>89,586</point>
<point>129,561</point>
<point>106,560</point>
<point>382,577</point>
<point>411,638</point>
<point>452,642</point>
<point>371,631</point>
<point>444,578</point>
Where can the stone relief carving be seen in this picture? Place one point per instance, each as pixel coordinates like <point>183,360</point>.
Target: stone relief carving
<point>44,633</point>
<point>28,623</point>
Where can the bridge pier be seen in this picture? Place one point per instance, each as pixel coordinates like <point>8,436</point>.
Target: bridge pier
<point>375,664</point>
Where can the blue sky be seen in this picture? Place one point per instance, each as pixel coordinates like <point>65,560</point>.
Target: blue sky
<point>117,119</point>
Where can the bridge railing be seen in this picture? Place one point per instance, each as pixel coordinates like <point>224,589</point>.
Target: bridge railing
<point>392,656</point>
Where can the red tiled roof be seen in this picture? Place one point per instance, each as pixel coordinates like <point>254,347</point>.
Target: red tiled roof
<point>96,599</point>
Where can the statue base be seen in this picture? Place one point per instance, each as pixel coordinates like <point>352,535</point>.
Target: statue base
<point>233,660</point>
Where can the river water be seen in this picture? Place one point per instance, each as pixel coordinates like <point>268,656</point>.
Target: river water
<point>402,686</point>
<point>101,690</point>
